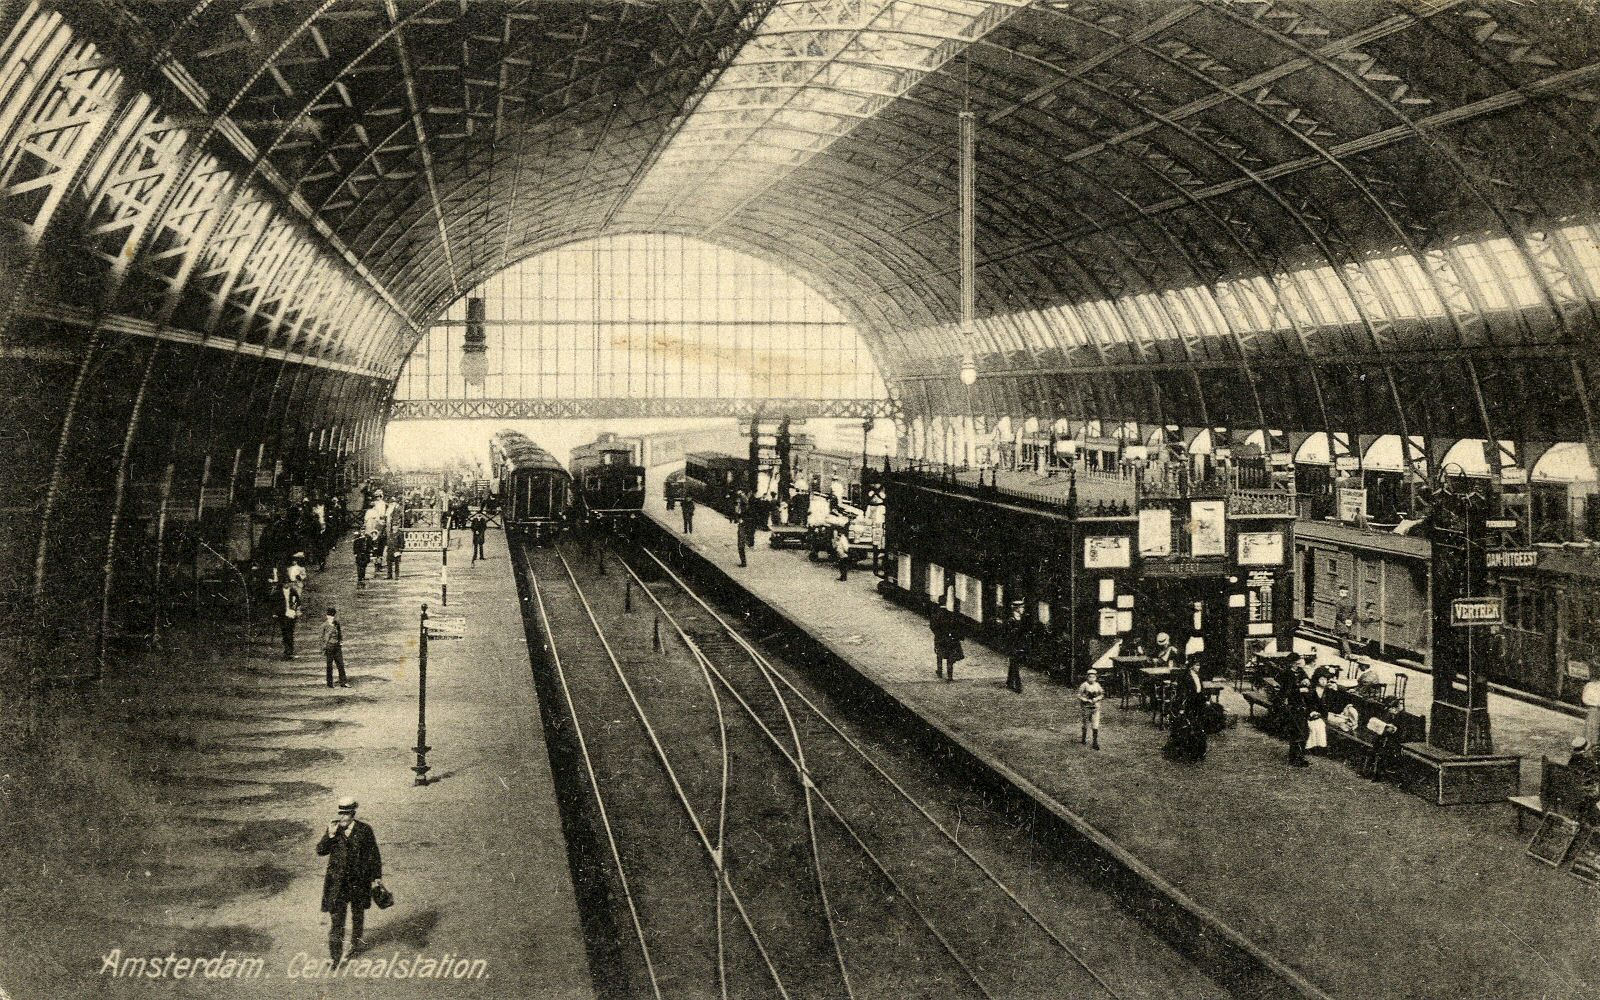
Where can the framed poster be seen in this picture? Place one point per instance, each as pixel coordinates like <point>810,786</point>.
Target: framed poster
<point>1553,839</point>
<point>1107,552</point>
<point>1352,504</point>
<point>1260,548</point>
<point>1155,531</point>
<point>1208,527</point>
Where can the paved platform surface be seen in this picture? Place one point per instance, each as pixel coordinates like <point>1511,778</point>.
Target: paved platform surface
<point>179,805</point>
<point>1362,888</point>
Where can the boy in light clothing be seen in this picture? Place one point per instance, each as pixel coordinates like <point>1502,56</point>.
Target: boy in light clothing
<point>1090,695</point>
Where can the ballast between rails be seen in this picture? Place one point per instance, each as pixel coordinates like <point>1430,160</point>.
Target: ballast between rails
<point>713,853</point>
<point>772,675</point>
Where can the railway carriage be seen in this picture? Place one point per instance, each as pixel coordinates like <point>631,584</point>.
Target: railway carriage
<point>536,494</point>
<point>609,480</point>
<point>712,478</point>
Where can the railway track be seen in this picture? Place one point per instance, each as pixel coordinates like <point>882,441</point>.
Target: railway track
<point>758,843</point>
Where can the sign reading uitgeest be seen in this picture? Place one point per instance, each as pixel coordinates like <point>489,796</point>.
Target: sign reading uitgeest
<point>1477,611</point>
<point>1511,558</point>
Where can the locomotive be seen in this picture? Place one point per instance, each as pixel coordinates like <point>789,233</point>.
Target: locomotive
<point>608,478</point>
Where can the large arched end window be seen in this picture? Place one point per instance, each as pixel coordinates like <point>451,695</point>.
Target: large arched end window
<point>646,317</point>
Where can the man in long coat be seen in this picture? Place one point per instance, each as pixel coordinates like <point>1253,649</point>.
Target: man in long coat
<point>354,865</point>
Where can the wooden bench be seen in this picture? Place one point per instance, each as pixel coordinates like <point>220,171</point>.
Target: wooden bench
<point>1563,790</point>
<point>1257,699</point>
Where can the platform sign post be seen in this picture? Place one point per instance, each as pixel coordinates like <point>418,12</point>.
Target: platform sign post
<point>421,767</point>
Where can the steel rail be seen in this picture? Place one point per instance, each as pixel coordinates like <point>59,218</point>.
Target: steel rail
<point>765,666</point>
<point>807,780</point>
<point>594,782</point>
<point>707,669</point>
<point>712,853</point>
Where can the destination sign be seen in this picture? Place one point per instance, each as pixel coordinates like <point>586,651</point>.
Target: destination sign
<point>1501,524</point>
<point>1511,558</point>
<point>1477,611</point>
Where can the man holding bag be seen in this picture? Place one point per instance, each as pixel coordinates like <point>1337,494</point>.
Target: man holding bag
<point>355,871</point>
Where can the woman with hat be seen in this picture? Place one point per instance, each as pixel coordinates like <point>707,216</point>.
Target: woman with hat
<point>1166,654</point>
<point>1188,741</point>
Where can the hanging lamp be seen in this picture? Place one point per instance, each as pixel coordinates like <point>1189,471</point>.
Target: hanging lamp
<point>969,366</point>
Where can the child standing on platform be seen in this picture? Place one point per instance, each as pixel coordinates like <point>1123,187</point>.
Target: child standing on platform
<point>1090,695</point>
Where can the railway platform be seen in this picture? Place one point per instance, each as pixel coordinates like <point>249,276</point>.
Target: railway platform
<point>1355,886</point>
<point>200,776</point>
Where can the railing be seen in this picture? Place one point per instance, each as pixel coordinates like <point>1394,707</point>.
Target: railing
<point>1243,492</point>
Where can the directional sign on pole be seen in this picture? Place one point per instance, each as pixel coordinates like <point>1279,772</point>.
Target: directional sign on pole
<point>1477,611</point>
<point>446,628</point>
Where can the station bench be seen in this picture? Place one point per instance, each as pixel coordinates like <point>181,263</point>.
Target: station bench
<point>1563,790</point>
<point>1257,699</point>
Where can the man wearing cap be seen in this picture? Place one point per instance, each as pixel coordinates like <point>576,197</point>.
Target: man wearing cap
<point>1021,646</point>
<point>333,646</point>
<point>354,866</point>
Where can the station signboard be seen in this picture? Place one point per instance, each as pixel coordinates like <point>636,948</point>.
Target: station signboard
<point>1477,611</point>
<point>1511,558</point>
<point>425,539</point>
<point>1501,524</point>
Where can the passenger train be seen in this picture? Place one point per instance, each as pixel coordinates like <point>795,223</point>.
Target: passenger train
<point>535,490</point>
<point>609,478</point>
<point>713,478</point>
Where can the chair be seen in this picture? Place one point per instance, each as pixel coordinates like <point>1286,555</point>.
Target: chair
<point>1398,691</point>
<point>1163,700</point>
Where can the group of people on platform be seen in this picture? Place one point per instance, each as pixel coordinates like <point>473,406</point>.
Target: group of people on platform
<point>1303,706</point>
<point>1192,713</point>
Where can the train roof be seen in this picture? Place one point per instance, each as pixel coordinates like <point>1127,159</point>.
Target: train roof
<point>606,444</point>
<point>523,455</point>
<point>715,458</point>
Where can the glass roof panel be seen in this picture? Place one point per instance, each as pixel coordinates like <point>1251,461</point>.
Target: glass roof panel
<point>811,71</point>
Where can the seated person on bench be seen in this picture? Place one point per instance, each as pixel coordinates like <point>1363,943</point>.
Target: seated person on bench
<point>1369,683</point>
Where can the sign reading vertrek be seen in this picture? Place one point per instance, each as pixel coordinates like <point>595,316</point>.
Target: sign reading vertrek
<point>1477,611</point>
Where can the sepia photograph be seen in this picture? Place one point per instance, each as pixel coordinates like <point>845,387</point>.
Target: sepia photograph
<point>800,499</point>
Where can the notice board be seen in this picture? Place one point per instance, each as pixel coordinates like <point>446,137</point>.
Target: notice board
<point>1553,839</point>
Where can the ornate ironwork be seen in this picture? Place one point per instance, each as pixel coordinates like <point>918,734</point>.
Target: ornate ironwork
<point>621,408</point>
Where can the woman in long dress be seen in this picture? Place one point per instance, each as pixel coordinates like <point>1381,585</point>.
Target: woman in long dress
<point>1188,740</point>
<point>1317,714</point>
